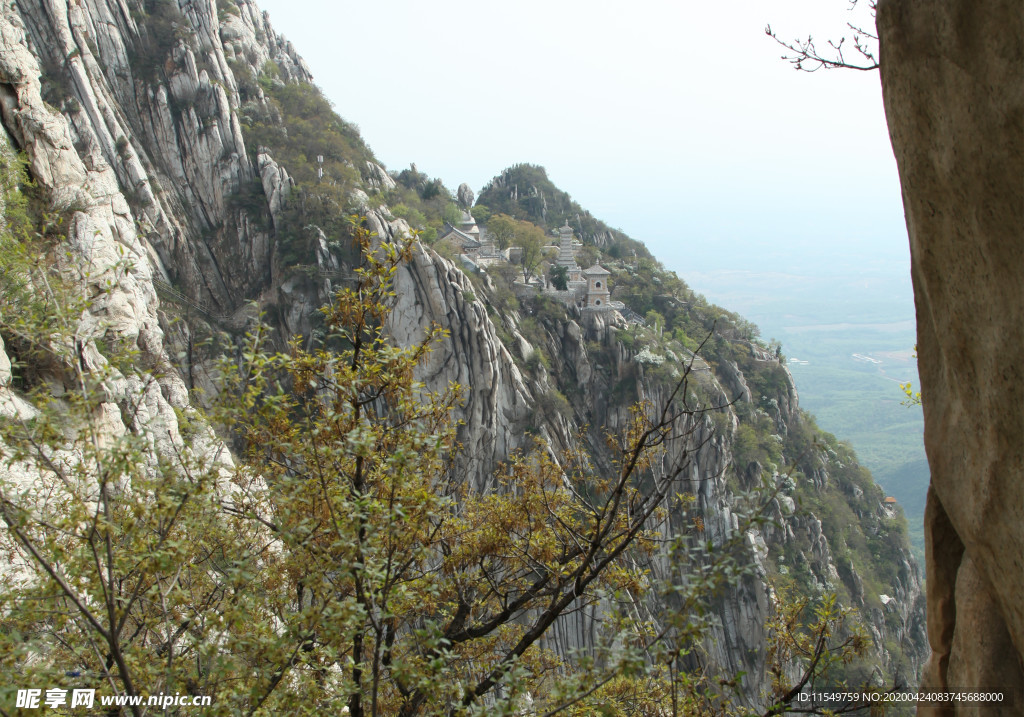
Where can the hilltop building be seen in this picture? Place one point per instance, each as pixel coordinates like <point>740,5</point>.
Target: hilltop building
<point>462,240</point>
<point>587,288</point>
<point>465,236</point>
<point>567,258</point>
<point>468,226</point>
<point>596,294</point>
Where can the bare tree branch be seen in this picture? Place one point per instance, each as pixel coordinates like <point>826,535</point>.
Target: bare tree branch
<point>804,55</point>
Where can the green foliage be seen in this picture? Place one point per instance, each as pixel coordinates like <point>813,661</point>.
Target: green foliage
<point>536,362</point>
<point>503,228</point>
<point>628,337</point>
<point>297,125</point>
<point>849,507</point>
<point>32,297</point>
<point>559,277</point>
<point>248,85</point>
<point>771,381</point>
<point>502,298</point>
<point>452,214</point>
<point>678,320</point>
<point>527,236</point>
<point>161,27</point>
<point>481,213</point>
<point>414,216</point>
<point>655,320</point>
<point>553,404</point>
<point>113,531</point>
<point>427,202</point>
<point>544,204</point>
<point>681,336</point>
<point>226,8</point>
<point>756,441</point>
<point>306,415</point>
<point>548,310</point>
<point>819,639</point>
<point>340,563</point>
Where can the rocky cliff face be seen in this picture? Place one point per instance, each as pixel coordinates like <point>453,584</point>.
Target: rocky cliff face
<point>148,92</point>
<point>495,400</point>
<point>140,141</point>
<point>951,74</point>
<point>794,548</point>
<point>104,252</point>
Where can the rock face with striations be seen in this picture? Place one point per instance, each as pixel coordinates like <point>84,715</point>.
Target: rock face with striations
<point>953,82</point>
<point>103,253</point>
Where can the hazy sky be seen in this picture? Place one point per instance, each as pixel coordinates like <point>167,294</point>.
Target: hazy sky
<point>675,121</point>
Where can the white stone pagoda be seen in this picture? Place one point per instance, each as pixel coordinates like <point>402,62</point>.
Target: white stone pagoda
<point>567,256</point>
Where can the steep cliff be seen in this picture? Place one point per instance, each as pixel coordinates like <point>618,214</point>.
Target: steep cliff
<point>109,261</point>
<point>951,76</point>
<point>827,529</point>
<point>181,135</point>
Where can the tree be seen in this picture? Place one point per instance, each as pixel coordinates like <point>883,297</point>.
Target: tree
<point>452,214</point>
<point>818,639</point>
<point>531,241</point>
<point>503,228</point>
<point>428,597</point>
<point>805,55</point>
<point>559,277</point>
<point>444,594</point>
<point>481,213</point>
<point>655,320</point>
<point>120,568</point>
<point>342,564</point>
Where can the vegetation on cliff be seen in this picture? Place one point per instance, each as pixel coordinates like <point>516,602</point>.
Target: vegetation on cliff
<point>524,191</point>
<point>343,565</point>
<point>866,559</point>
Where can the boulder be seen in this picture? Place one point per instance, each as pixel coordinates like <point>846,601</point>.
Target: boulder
<point>465,196</point>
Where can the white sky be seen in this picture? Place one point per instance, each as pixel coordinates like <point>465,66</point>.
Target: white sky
<point>674,121</point>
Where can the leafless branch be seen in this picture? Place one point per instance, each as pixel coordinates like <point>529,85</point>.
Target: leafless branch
<point>804,54</point>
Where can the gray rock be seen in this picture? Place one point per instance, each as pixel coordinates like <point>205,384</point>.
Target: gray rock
<point>5,366</point>
<point>465,196</point>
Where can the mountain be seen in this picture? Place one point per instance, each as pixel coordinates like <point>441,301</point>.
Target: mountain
<point>524,191</point>
<point>191,178</point>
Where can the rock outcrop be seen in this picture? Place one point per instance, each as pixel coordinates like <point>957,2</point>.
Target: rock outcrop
<point>103,256</point>
<point>495,401</point>
<point>953,84</point>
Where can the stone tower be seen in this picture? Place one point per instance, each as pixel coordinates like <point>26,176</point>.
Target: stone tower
<point>567,255</point>
<point>598,295</point>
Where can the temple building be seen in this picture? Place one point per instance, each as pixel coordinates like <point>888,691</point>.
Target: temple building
<point>597,295</point>
<point>466,236</point>
<point>567,256</point>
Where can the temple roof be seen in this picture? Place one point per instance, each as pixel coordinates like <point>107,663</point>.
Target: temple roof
<point>449,230</point>
<point>597,270</point>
